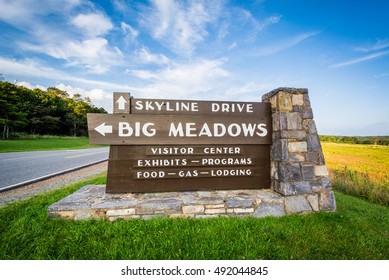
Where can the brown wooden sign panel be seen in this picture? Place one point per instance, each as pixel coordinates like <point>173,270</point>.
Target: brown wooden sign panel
<point>133,129</point>
<point>185,168</point>
<point>198,107</point>
<point>183,145</point>
<point>121,103</point>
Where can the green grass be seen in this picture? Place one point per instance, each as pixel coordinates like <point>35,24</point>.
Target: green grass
<point>45,144</point>
<point>357,230</point>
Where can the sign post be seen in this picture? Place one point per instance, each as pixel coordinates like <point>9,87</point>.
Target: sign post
<point>175,145</point>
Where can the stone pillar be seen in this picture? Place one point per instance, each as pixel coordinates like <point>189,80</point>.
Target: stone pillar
<point>298,170</point>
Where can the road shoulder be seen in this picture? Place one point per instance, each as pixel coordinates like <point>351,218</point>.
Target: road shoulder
<point>57,182</point>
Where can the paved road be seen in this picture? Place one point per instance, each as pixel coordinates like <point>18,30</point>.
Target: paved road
<point>19,168</point>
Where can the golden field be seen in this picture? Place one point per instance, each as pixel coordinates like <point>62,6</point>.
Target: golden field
<point>360,170</point>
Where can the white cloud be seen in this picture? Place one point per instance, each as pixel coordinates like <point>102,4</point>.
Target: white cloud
<point>248,90</point>
<point>89,51</point>
<point>260,25</point>
<point>92,24</point>
<point>232,46</point>
<point>142,74</point>
<point>145,56</point>
<point>24,12</point>
<point>183,80</point>
<point>244,23</point>
<point>379,45</point>
<point>95,94</point>
<point>128,29</point>
<point>33,68</point>
<point>28,85</point>
<point>360,59</point>
<point>286,44</point>
<point>180,25</point>
<point>93,54</point>
<point>28,67</point>
<point>98,96</point>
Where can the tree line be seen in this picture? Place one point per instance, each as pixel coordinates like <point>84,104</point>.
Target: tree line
<point>369,140</point>
<point>50,112</point>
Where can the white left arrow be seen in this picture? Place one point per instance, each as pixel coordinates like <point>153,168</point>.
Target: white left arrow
<point>122,103</point>
<point>103,129</point>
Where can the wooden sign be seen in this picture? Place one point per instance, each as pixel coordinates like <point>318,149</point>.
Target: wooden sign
<point>121,102</point>
<point>176,145</point>
<point>193,107</point>
<point>179,168</point>
<point>131,129</point>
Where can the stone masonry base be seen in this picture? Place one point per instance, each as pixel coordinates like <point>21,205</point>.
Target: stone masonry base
<point>91,202</point>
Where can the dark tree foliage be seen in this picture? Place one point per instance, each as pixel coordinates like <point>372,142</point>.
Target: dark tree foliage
<point>36,111</point>
<point>370,140</point>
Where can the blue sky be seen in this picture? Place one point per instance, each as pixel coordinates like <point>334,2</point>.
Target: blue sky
<point>208,50</point>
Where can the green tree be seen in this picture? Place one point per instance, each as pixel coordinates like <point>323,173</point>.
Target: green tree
<point>43,112</point>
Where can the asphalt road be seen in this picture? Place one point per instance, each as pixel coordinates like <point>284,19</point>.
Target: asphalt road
<point>26,167</point>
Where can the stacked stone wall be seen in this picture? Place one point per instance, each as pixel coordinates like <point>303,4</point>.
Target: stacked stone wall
<point>298,169</point>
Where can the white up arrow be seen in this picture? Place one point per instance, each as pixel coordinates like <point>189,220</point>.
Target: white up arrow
<point>103,129</point>
<point>122,103</point>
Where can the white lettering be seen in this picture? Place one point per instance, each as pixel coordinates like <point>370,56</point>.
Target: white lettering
<point>189,130</point>
<point>232,107</point>
<point>237,127</point>
<point>125,129</point>
<point>176,131</point>
<point>226,161</point>
<point>195,107</point>
<point>189,173</point>
<point>150,174</point>
<point>222,150</point>
<point>205,131</point>
<point>262,128</point>
<point>148,132</point>
<point>230,172</point>
<point>172,151</point>
<point>139,105</point>
<point>219,130</point>
<point>125,126</point>
<point>149,106</point>
<point>160,162</point>
<point>248,129</point>
<point>159,105</point>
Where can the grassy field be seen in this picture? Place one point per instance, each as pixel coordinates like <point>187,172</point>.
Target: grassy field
<point>45,144</point>
<point>357,230</point>
<point>359,170</point>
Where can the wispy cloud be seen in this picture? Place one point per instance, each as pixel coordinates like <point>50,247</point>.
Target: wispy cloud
<point>180,80</point>
<point>93,24</point>
<point>379,45</point>
<point>180,25</point>
<point>23,13</point>
<point>262,24</point>
<point>283,45</point>
<point>130,32</point>
<point>379,49</point>
<point>34,68</point>
<point>360,59</point>
<point>95,55</point>
<point>383,75</point>
<point>146,57</point>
